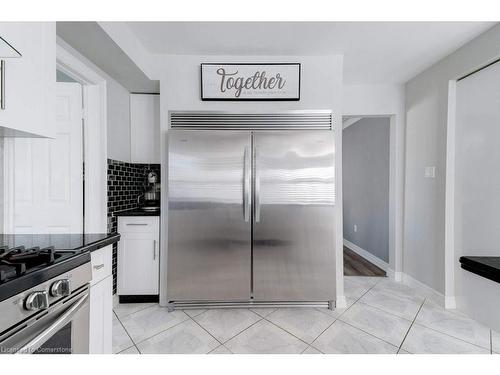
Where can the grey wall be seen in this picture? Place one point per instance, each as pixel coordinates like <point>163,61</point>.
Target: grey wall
<point>426,118</point>
<point>366,185</point>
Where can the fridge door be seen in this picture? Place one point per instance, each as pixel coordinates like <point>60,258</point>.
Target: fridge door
<point>209,216</point>
<point>293,248</point>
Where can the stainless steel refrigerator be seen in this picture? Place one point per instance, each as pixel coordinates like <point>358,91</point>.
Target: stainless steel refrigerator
<point>251,217</point>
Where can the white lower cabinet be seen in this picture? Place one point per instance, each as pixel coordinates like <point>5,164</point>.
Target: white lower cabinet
<point>101,302</point>
<point>101,316</point>
<point>138,256</point>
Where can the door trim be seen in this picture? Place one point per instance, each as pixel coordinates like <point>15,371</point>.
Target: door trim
<point>93,80</point>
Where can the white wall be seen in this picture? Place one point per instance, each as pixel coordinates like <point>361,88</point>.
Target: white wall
<point>374,99</point>
<point>321,88</point>
<point>477,183</point>
<point>426,121</point>
<point>118,121</point>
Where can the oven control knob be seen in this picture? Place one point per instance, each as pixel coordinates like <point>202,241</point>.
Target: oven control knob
<point>37,301</point>
<point>60,288</point>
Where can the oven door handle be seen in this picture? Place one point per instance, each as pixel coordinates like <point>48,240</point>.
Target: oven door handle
<point>64,319</point>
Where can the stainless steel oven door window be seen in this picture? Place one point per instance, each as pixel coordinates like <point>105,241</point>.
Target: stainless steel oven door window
<point>61,329</point>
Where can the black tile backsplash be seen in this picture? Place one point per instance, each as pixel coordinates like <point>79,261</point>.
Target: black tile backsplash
<point>125,182</point>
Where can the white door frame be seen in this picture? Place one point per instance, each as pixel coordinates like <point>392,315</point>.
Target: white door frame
<point>449,226</point>
<point>70,62</point>
<point>396,194</point>
<point>93,82</point>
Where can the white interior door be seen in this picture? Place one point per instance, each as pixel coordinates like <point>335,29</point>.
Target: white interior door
<point>48,173</point>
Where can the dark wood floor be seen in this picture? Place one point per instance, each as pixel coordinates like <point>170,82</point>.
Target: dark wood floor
<point>355,265</point>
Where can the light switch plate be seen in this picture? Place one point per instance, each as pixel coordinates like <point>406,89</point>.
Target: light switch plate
<point>430,172</point>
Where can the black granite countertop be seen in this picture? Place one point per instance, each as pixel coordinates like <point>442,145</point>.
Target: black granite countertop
<point>83,242</point>
<point>488,267</point>
<point>136,212</point>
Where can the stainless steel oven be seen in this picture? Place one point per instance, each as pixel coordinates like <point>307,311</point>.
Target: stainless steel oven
<point>51,318</point>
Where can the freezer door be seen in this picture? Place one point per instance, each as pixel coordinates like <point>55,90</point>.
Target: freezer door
<point>293,248</point>
<point>209,216</point>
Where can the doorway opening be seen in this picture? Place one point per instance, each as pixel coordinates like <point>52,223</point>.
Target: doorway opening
<point>366,195</point>
<point>72,66</point>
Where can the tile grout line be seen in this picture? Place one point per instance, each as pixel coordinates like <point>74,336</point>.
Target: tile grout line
<point>166,329</point>
<point>310,346</point>
<point>133,342</point>
<point>290,333</point>
<point>421,324</point>
<point>225,347</point>
<point>447,334</point>
<point>142,309</point>
<point>251,325</point>
<point>387,312</point>
<point>368,333</point>
<point>343,312</point>
<point>203,328</point>
<point>453,337</point>
<point>390,313</point>
<point>358,300</point>
<point>232,337</point>
<point>274,309</point>
<point>411,325</point>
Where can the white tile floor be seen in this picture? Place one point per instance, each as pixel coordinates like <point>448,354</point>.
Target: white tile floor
<point>382,317</point>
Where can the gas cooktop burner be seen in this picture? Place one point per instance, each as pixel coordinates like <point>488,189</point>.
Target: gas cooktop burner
<point>17,261</point>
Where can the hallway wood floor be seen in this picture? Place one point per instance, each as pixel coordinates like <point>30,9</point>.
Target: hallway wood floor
<point>355,265</point>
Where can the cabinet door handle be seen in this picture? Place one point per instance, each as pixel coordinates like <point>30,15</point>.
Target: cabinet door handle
<point>141,224</point>
<point>99,266</point>
<point>154,250</point>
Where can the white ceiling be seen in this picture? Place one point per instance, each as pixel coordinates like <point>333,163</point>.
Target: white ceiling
<point>374,52</point>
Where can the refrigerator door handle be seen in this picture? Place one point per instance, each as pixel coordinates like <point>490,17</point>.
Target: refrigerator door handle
<point>247,204</point>
<point>257,189</point>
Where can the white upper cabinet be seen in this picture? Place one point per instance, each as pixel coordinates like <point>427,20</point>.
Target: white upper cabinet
<point>30,80</point>
<point>144,128</point>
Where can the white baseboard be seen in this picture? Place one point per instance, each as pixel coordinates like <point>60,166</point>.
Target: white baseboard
<point>398,276</point>
<point>450,302</point>
<point>434,295</point>
<point>340,302</point>
<point>369,257</point>
<point>424,289</point>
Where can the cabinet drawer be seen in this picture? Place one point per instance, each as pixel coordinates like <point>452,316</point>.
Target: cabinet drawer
<point>101,263</point>
<point>138,224</point>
